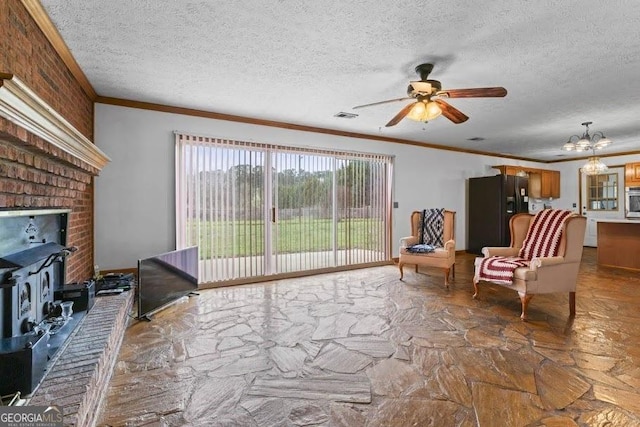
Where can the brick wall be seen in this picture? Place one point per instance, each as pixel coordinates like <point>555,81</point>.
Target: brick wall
<point>34,174</point>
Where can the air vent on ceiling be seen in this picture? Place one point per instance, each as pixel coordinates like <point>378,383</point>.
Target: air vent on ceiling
<point>476,138</point>
<point>343,115</point>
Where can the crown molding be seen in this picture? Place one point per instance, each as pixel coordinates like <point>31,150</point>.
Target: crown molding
<point>283,125</point>
<point>23,107</point>
<point>42,20</point>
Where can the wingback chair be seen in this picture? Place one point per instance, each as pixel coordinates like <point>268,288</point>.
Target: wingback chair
<point>444,257</point>
<point>545,274</point>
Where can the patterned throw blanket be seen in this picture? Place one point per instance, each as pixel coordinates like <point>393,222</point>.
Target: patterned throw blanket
<point>499,269</point>
<point>544,234</point>
<point>432,226</point>
<point>431,231</point>
<point>542,240</point>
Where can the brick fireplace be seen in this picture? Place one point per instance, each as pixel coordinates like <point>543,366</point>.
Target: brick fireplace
<point>48,162</point>
<point>33,172</point>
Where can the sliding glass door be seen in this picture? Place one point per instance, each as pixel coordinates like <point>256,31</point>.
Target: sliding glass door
<point>303,226</point>
<point>257,210</point>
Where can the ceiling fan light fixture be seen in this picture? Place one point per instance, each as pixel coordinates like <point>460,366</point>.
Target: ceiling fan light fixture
<point>432,111</point>
<point>569,146</point>
<point>424,111</point>
<point>417,111</point>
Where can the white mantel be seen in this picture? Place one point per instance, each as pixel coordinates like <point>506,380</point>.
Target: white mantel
<point>25,108</point>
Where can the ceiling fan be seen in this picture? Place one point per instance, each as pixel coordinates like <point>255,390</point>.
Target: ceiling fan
<point>428,94</point>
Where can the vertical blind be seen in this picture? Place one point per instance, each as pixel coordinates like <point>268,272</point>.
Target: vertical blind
<point>260,209</point>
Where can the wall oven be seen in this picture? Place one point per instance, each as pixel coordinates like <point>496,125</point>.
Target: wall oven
<point>632,202</point>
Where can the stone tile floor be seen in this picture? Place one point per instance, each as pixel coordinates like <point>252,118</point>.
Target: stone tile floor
<point>361,348</point>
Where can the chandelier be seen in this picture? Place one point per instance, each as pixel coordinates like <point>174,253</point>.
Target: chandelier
<point>587,142</point>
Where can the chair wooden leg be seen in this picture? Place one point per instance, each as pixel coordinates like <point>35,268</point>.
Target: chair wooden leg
<point>416,268</point>
<point>525,298</point>
<point>572,304</point>
<point>475,288</point>
<point>400,265</point>
<point>446,277</point>
<point>453,270</point>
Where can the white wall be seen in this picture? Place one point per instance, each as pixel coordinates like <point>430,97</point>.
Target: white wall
<point>134,194</point>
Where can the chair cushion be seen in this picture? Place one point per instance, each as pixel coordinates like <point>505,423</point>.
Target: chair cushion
<point>420,249</point>
<point>437,253</point>
<point>524,273</point>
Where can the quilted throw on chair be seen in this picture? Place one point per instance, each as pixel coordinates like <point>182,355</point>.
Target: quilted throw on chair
<point>500,269</point>
<point>544,234</point>
<point>432,226</point>
<point>542,240</point>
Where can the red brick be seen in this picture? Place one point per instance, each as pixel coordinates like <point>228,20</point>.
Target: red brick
<point>31,168</point>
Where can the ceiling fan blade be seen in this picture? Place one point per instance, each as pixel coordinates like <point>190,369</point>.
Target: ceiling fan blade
<point>381,102</point>
<point>478,92</point>
<point>396,119</point>
<point>451,113</point>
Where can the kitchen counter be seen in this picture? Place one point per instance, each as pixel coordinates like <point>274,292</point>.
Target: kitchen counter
<point>619,220</point>
<point>619,243</point>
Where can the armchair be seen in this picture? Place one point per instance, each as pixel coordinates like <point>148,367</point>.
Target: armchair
<point>443,257</point>
<point>544,274</point>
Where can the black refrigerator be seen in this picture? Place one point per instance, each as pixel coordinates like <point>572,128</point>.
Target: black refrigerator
<point>492,201</point>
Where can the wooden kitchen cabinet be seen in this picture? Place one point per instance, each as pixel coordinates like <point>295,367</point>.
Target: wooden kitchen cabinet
<point>549,185</point>
<point>543,183</point>
<point>632,175</point>
<point>512,170</point>
<point>509,170</point>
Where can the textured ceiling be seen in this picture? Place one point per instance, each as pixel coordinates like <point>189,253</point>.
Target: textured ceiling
<point>302,61</point>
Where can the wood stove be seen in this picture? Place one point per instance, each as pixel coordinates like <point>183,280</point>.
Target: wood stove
<point>32,258</point>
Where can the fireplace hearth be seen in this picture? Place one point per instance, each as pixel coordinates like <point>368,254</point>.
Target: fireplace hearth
<point>32,265</point>
<point>46,359</point>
